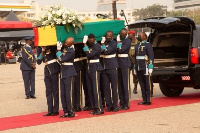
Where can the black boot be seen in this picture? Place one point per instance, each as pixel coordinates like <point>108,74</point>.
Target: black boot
<point>135,89</point>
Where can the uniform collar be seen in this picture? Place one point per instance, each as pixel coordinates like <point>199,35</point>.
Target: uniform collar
<point>28,45</point>
<point>144,42</point>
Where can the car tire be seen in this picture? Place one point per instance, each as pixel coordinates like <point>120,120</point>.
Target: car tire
<point>170,91</point>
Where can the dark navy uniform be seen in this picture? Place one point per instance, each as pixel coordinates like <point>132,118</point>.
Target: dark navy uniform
<point>124,72</point>
<point>78,80</point>
<point>67,79</point>
<point>28,72</point>
<point>109,74</point>
<point>101,84</point>
<point>93,69</point>
<point>83,59</point>
<point>51,71</point>
<point>144,57</point>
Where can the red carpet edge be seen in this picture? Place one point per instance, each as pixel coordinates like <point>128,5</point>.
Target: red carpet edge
<point>38,118</point>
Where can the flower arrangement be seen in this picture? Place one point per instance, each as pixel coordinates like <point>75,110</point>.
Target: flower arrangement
<point>57,15</point>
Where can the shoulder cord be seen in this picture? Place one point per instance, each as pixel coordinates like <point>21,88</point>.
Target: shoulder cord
<point>29,55</point>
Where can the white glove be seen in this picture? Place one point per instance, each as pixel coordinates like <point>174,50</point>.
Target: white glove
<point>150,71</point>
<point>118,38</point>
<point>103,40</point>
<point>85,38</point>
<point>43,48</point>
<point>59,45</point>
<point>134,72</point>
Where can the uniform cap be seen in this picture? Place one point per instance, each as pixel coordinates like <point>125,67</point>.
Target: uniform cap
<point>28,38</point>
<point>131,32</point>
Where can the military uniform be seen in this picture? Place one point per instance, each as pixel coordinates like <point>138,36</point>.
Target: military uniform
<point>78,81</point>
<point>93,69</point>
<point>88,105</point>
<point>28,72</point>
<point>132,55</point>
<point>66,59</point>
<point>51,71</point>
<point>144,57</point>
<point>124,72</point>
<point>109,74</point>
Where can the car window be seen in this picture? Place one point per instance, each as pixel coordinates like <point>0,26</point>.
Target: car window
<point>171,40</point>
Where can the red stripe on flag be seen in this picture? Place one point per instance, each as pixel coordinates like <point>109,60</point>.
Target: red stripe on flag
<point>36,39</point>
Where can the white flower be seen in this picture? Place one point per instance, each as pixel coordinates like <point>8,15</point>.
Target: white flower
<point>64,22</point>
<point>57,15</point>
<point>59,21</point>
<point>74,25</point>
<point>73,18</point>
<point>64,15</point>
<point>53,12</point>
<point>59,12</point>
<point>69,20</point>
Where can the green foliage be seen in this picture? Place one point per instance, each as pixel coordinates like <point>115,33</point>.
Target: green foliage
<point>150,11</point>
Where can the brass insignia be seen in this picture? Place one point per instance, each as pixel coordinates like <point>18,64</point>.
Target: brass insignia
<point>48,51</point>
<point>90,50</point>
<point>142,48</point>
<point>64,51</point>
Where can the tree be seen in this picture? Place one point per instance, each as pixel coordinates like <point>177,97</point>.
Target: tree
<point>150,11</point>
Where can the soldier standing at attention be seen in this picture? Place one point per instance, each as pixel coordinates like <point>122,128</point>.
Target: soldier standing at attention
<point>124,62</point>
<point>66,59</point>
<point>51,70</point>
<point>109,74</point>
<point>144,57</point>
<point>83,59</point>
<point>93,52</point>
<point>134,41</point>
<point>28,66</point>
<point>78,80</point>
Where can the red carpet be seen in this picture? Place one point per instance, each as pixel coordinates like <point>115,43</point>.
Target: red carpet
<point>37,118</point>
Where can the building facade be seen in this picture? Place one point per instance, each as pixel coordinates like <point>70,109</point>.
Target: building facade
<point>186,4</point>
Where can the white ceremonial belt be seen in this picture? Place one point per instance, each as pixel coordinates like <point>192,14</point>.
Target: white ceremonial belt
<point>101,55</point>
<point>67,63</point>
<point>140,57</point>
<point>132,47</point>
<point>50,62</point>
<point>122,55</point>
<point>83,58</point>
<point>93,61</point>
<point>77,59</point>
<point>109,56</point>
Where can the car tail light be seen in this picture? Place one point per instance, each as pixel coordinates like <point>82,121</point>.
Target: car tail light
<point>194,56</point>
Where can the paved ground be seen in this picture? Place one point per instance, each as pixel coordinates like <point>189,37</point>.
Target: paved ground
<point>175,119</point>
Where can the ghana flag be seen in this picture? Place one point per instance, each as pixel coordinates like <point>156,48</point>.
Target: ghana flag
<point>47,36</point>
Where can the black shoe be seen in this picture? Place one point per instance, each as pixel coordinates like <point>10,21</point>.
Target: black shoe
<point>121,108</point>
<point>135,91</point>
<point>33,97</point>
<point>77,109</point>
<point>27,97</point>
<point>92,112</point>
<point>64,116</point>
<point>98,112</point>
<point>142,103</point>
<point>55,113</point>
<point>109,109</point>
<point>70,115</point>
<point>87,108</point>
<point>115,110</point>
<point>126,107</point>
<point>148,103</point>
<point>48,114</point>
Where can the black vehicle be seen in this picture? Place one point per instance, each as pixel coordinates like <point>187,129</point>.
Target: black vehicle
<point>176,45</point>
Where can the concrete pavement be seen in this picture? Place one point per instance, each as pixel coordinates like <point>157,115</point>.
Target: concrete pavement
<point>173,119</point>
